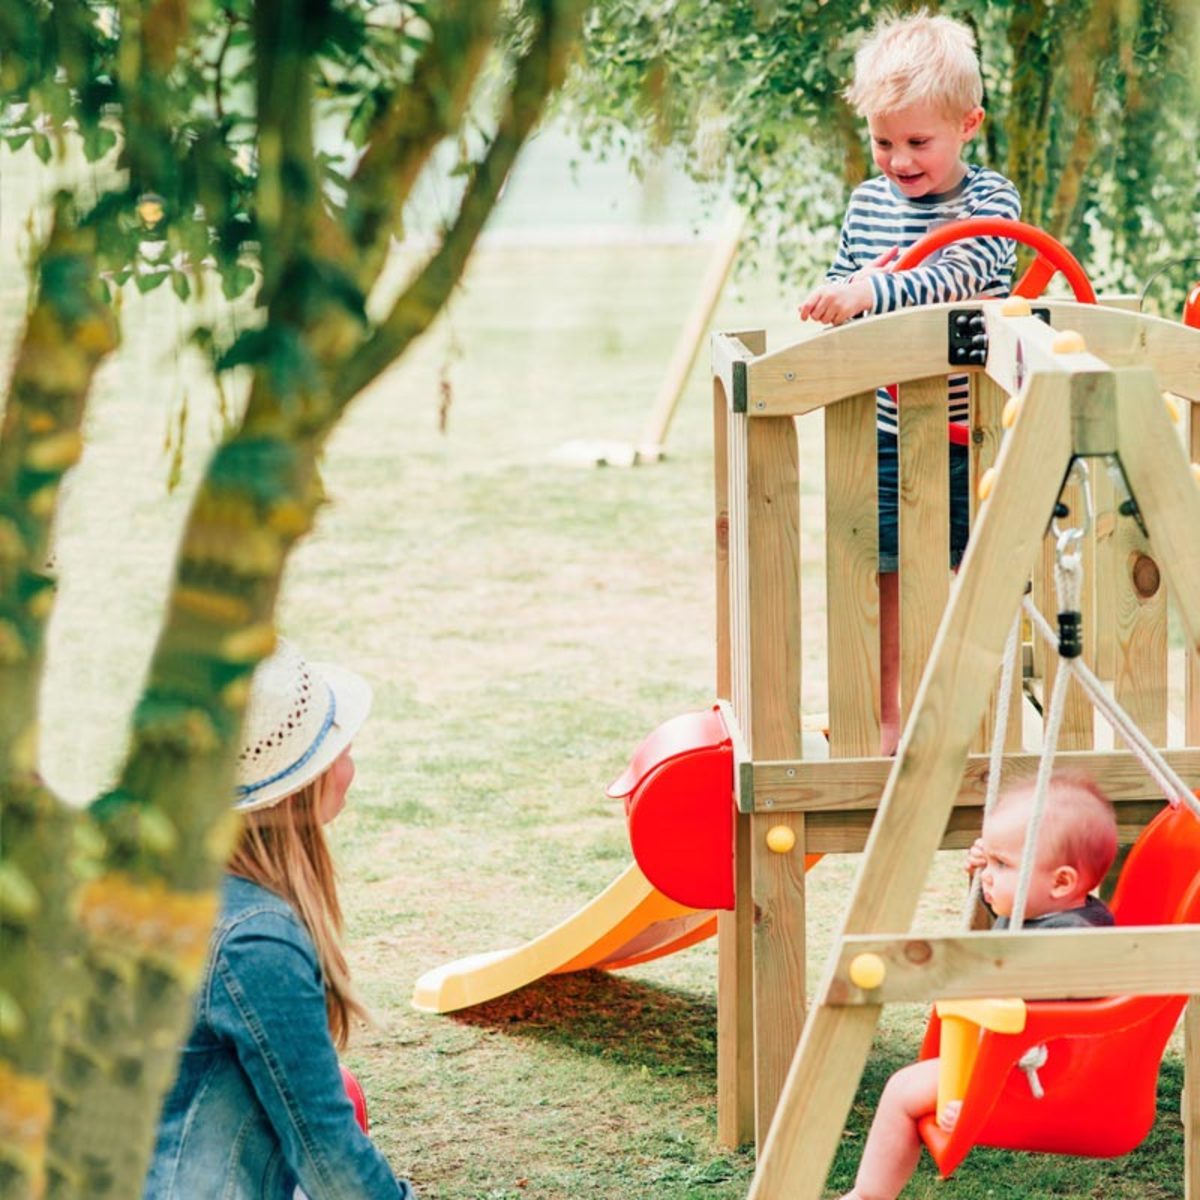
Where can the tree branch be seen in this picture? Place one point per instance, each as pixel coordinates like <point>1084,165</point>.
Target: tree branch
<point>1086,68</point>
<point>408,128</point>
<point>539,70</point>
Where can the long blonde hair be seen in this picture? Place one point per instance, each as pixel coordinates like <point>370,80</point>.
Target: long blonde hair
<point>283,849</point>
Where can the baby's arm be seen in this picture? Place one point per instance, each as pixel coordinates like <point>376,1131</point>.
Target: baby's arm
<point>975,857</point>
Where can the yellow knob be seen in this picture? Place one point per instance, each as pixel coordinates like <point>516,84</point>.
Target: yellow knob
<point>150,209</point>
<point>1016,306</point>
<point>1068,342</point>
<point>780,839</point>
<point>1172,407</point>
<point>867,971</point>
<point>1012,410</point>
<point>987,481</point>
<point>1196,472</point>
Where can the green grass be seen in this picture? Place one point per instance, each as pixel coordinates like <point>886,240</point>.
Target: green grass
<point>525,625</point>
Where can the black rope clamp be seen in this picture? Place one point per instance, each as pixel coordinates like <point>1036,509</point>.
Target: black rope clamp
<point>1070,634</point>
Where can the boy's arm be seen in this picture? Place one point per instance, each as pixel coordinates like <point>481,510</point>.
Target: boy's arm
<point>962,271</point>
<point>843,265</point>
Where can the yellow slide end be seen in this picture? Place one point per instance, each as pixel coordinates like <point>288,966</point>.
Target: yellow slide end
<point>629,922</point>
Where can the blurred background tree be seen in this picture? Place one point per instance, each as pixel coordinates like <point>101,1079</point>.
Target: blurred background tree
<point>1092,106</point>
<point>267,147</point>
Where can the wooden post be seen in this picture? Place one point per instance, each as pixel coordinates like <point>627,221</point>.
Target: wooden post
<point>765,623</point>
<point>735,963</point>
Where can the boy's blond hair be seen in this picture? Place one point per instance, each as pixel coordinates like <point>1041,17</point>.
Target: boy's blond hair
<point>1079,828</point>
<point>918,59</point>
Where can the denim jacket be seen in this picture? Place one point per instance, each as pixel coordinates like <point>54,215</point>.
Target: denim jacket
<point>258,1109</point>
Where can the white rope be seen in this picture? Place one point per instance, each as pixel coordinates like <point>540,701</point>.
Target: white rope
<point>1008,671</point>
<point>1041,792</point>
<point>1157,767</point>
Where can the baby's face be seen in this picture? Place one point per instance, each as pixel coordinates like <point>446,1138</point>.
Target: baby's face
<point>919,148</point>
<point>1003,842</point>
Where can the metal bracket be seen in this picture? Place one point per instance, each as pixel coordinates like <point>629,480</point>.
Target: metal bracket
<point>968,342</point>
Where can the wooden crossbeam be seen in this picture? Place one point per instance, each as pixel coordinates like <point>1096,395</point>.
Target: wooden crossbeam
<point>845,361</point>
<point>1064,964</point>
<point>849,784</point>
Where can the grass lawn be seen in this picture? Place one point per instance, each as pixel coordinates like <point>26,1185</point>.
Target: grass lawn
<point>525,625</point>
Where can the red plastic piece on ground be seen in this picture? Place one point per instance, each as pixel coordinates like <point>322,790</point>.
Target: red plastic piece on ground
<point>1102,1071</point>
<point>1191,307</point>
<point>678,792</point>
<point>357,1098</point>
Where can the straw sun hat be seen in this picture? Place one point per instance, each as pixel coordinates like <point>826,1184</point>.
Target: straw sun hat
<point>299,719</point>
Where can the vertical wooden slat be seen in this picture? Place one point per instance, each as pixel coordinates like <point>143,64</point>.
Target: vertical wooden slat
<point>1192,669</point>
<point>1107,571</point>
<point>987,407</point>
<point>773,731</point>
<point>739,600</point>
<point>1140,610</point>
<point>924,527</point>
<point>852,590</point>
<point>721,535</point>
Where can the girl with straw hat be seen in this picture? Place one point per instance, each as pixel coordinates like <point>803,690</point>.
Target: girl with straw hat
<point>258,1110</point>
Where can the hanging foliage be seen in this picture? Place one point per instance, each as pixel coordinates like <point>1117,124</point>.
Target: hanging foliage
<point>1092,112</point>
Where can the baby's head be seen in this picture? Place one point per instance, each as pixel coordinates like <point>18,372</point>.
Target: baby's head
<point>1076,845</point>
<point>917,81</point>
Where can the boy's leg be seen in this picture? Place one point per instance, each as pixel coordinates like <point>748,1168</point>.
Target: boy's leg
<point>889,661</point>
<point>894,1145</point>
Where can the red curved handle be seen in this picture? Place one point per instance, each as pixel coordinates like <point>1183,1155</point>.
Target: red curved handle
<point>1191,308</point>
<point>1052,255</point>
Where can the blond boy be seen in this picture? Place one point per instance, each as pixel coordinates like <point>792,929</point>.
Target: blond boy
<point>1075,848</point>
<point>917,83</point>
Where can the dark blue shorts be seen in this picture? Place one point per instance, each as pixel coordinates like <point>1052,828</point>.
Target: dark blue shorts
<point>960,504</point>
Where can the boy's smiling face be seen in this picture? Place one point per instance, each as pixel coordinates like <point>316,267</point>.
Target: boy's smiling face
<point>919,148</point>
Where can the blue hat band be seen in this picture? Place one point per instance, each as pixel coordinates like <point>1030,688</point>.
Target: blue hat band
<point>246,791</point>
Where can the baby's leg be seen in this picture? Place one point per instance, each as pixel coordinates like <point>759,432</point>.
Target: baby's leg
<point>893,1145</point>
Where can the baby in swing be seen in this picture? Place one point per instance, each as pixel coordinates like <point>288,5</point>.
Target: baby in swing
<point>1076,845</point>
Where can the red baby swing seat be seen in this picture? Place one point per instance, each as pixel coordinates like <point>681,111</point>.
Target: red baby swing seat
<point>1101,1076</point>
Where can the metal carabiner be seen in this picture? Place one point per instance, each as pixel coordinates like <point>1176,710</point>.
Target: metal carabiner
<point>1069,541</point>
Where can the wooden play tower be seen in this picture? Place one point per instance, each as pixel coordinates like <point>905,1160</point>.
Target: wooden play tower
<point>791,1070</point>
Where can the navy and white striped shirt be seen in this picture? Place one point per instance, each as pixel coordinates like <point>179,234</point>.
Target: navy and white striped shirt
<point>880,217</point>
